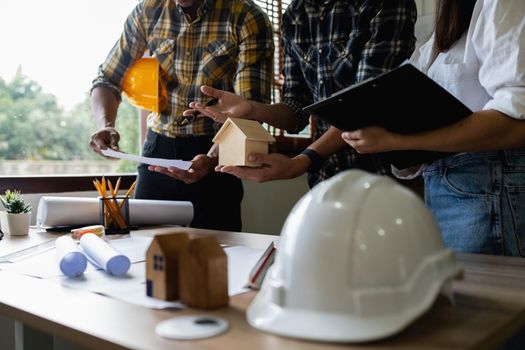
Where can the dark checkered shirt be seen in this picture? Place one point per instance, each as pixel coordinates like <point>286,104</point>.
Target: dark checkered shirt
<point>330,45</point>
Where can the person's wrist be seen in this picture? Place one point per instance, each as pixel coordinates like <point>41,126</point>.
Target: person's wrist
<point>316,160</point>
<point>253,111</point>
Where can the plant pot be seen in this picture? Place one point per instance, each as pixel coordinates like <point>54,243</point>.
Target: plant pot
<point>15,224</point>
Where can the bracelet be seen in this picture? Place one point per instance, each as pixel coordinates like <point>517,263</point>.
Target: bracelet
<point>316,161</point>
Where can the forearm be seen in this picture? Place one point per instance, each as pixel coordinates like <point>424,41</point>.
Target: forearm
<point>277,115</point>
<point>481,131</point>
<point>329,143</point>
<point>105,106</point>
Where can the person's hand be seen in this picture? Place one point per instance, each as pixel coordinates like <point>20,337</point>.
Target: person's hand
<point>273,166</point>
<point>201,166</point>
<point>228,105</point>
<point>372,140</point>
<point>105,138</point>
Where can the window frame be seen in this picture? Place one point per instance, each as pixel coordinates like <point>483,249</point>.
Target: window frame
<point>29,184</point>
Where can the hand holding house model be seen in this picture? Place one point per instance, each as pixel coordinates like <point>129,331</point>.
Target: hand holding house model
<point>238,138</point>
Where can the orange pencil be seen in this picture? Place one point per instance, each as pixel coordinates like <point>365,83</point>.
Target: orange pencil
<point>103,187</point>
<point>114,207</point>
<point>98,186</point>
<point>117,186</point>
<point>128,193</point>
<point>131,189</point>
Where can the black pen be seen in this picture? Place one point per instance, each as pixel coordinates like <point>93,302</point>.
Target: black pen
<point>210,103</point>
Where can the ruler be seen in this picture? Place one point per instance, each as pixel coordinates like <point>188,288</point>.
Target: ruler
<point>27,252</point>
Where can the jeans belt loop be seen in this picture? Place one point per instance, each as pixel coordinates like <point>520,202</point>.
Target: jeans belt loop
<point>441,167</point>
<point>502,156</point>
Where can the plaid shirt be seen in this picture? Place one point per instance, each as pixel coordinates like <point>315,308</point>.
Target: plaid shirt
<point>329,45</point>
<point>228,46</point>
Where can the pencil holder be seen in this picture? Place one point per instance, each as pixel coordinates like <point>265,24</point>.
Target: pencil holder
<point>114,214</point>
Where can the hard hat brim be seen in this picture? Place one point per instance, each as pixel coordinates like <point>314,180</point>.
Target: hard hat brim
<point>315,325</point>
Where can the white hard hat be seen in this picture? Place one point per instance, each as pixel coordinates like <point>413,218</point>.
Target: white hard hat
<point>360,257</point>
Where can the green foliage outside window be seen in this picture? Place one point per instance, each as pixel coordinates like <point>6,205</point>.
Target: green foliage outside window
<point>34,127</point>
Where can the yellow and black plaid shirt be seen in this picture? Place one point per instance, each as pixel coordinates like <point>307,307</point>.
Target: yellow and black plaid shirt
<point>228,46</point>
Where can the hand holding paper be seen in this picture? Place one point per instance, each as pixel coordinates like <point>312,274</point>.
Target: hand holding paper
<point>202,165</point>
<point>177,163</point>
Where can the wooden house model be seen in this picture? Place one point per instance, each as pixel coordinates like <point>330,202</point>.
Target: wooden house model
<point>237,138</point>
<point>162,265</point>
<point>204,274</point>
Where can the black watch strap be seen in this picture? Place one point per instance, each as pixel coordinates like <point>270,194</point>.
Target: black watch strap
<point>316,161</point>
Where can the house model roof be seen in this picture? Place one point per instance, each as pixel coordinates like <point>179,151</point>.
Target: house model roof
<point>252,130</point>
<point>168,242</point>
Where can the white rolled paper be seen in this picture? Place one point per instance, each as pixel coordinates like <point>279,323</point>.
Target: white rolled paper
<point>60,211</point>
<point>71,260</point>
<point>104,255</point>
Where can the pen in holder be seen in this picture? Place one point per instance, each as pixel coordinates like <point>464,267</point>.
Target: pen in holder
<point>114,214</point>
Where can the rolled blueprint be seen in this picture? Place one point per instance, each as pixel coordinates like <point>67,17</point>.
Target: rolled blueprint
<point>71,260</point>
<point>104,255</point>
<point>63,211</point>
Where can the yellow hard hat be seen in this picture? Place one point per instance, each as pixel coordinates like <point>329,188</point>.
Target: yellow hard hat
<point>144,85</point>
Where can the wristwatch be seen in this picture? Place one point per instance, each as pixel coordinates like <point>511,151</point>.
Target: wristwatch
<point>316,161</point>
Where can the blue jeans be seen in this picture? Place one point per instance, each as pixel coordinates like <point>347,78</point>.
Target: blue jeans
<point>478,200</point>
<point>216,198</point>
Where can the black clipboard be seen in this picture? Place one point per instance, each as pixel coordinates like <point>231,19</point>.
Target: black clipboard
<point>403,100</point>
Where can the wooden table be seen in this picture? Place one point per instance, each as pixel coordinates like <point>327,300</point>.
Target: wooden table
<point>490,306</point>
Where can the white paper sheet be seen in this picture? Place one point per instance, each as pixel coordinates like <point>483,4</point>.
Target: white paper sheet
<point>241,260</point>
<point>26,248</point>
<point>43,265</point>
<point>177,163</point>
<point>58,211</point>
<point>130,288</point>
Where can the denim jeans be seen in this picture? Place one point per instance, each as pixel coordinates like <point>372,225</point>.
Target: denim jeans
<point>216,198</point>
<point>478,200</point>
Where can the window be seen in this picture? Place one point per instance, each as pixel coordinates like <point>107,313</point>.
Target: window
<point>47,67</point>
<point>158,262</point>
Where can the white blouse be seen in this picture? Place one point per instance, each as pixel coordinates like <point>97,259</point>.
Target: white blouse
<point>485,69</point>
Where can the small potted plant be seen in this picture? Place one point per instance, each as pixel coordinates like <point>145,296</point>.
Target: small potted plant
<point>16,217</point>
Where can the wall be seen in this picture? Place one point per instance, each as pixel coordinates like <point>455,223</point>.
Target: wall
<point>425,7</point>
<point>425,20</point>
<point>266,205</point>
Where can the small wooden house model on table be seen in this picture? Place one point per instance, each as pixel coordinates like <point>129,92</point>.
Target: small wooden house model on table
<point>162,265</point>
<point>237,138</point>
<point>204,274</point>
<point>194,271</point>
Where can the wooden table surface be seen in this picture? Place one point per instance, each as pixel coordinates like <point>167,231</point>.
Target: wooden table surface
<point>489,306</point>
